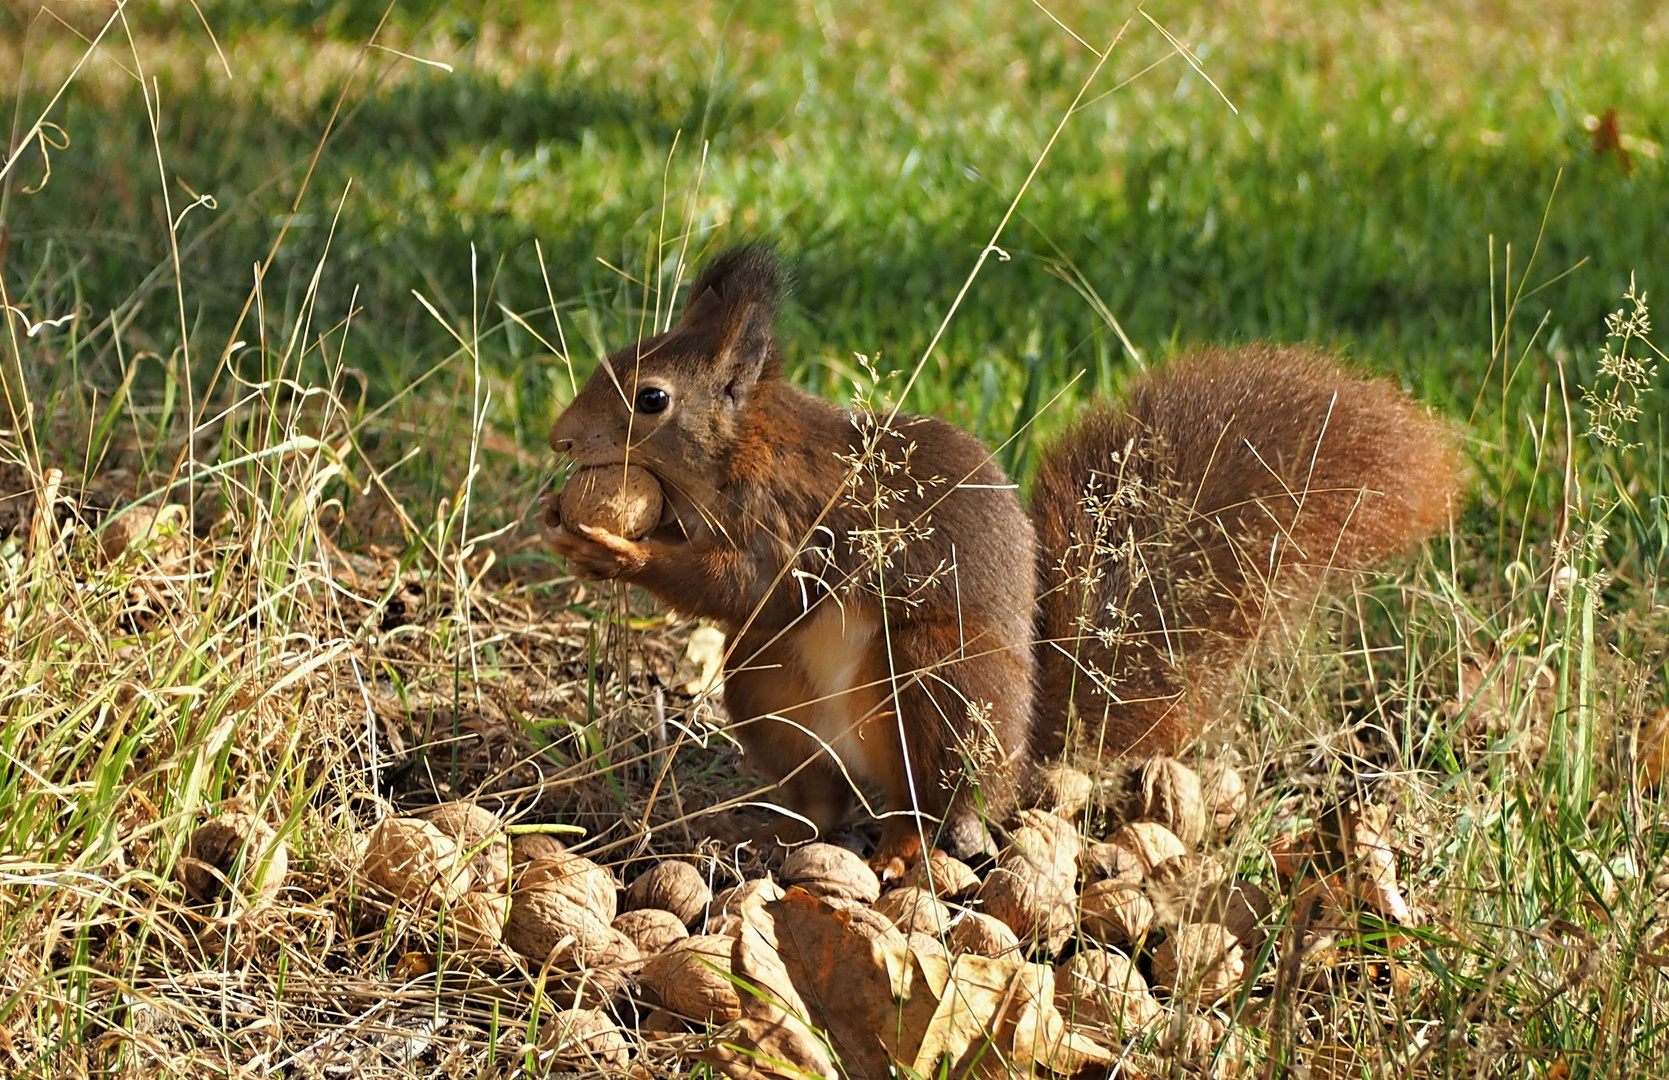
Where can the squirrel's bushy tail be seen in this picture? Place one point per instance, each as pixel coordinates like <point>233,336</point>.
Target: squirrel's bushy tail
<point>1226,486</point>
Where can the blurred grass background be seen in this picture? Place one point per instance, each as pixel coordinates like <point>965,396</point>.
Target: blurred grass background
<point>1351,201</point>
<point>1378,187</point>
<point>1383,161</point>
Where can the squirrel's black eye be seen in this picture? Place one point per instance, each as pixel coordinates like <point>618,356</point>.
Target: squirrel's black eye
<point>652,399</point>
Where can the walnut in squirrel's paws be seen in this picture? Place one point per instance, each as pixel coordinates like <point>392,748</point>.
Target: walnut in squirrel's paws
<point>595,519</point>
<point>622,499</point>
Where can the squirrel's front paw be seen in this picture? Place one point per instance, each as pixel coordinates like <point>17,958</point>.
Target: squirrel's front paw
<point>597,554</point>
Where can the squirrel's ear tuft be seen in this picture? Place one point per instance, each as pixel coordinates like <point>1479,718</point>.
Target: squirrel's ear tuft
<point>748,276</point>
<point>737,296</point>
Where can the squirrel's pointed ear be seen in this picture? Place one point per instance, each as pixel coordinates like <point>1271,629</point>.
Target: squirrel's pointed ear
<point>737,296</point>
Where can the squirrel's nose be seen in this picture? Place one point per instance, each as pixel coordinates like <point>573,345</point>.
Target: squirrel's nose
<point>561,445</point>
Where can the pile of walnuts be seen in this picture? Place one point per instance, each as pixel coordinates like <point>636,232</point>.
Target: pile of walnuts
<point>1136,922</point>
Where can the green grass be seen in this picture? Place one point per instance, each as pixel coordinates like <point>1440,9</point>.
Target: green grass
<point>1380,191</point>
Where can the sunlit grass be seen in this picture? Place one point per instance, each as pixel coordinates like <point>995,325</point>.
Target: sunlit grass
<point>350,554</point>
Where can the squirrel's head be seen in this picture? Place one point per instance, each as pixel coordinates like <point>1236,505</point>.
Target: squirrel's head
<point>673,403</point>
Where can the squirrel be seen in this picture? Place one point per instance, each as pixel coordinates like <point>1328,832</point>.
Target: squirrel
<point>895,619</point>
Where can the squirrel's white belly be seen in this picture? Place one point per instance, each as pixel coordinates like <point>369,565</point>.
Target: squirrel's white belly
<point>838,653</point>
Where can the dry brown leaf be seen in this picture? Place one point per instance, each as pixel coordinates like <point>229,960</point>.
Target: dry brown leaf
<point>774,1039</point>
<point>965,1018</point>
<point>1041,1037</point>
<point>839,969</point>
<point>1374,862</point>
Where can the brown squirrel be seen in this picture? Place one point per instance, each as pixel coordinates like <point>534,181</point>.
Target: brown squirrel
<point>897,622</point>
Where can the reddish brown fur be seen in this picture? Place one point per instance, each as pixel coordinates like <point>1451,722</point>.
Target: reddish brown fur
<point>763,534</point>
<point>1261,470</point>
<point>917,667</point>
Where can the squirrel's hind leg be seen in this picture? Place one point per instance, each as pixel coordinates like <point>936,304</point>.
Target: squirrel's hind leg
<point>964,716</point>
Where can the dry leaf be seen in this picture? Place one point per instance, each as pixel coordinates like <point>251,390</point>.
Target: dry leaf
<point>807,961</point>
<point>703,663</point>
<point>1374,862</point>
<point>965,1018</point>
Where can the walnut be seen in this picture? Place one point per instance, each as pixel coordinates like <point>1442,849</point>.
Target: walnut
<point>1110,862</point>
<point>747,894</point>
<point>651,929</point>
<point>1167,791</point>
<point>623,499</point>
<point>1033,888</point>
<point>1205,1045</point>
<point>945,877</point>
<point>584,1039</point>
<point>689,979</point>
<point>914,910</point>
<point>978,933</point>
<point>1199,962</point>
<point>724,916</point>
<point>1103,989</point>
<point>587,884</point>
<point>551,916</point>
<point>234,849</point>
<point>1223,791</point>
<point>526,847</point>
<point>831,872</point>
<point>1115,912</point>
<point>1065,791</point>
<point>599,972</point>
<point>479,834</point>
<point>478,917</point>
<point>414,860</point>
<point>1149,841</point>
<point>1242,907</point>
<point>1181,885</point>
<point>671,886</point>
